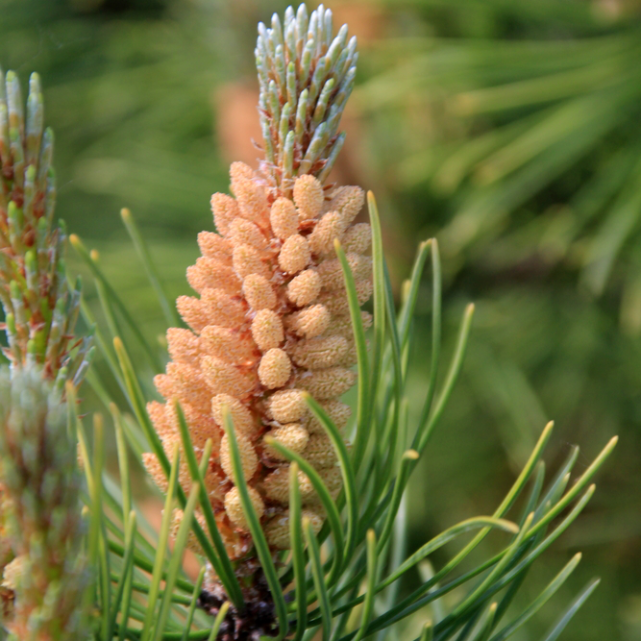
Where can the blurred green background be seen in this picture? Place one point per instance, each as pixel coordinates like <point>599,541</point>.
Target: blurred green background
<point>510,129</point>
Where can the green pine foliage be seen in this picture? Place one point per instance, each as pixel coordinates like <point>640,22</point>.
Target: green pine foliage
<point>512,119</point>
<point>364,537</point>
<point>548,248</point>
<point>366,574</point>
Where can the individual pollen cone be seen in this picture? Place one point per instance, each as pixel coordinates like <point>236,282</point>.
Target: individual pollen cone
<point>225,378</point>
<point>259,292</point>
<point>320,352</point>
<point>244,421</point>
<point>270,318</point>
<point>192,312</point>
<point>227,344</point>
<point>248,261</point>
<point>183,346</point>
<point>319,451</point>
<point>237,172</point>
<point>211,245</point>
<point>248,456</point>
<point>311,321</point>
<point>337,411</point>
<point>276,485</point>
<point>294,255</point>
<point>287,406</point>
<point>222,309</point>
<point>208,272</point>
<point>267,329</point>
<point>330,226</point>
<point>358,238</point>
<point>234,508</point>
<point>305,288</point>
<point>283,218</point>
<point>251,198</point>
<point>308,197</point>
<point>275,368</point>
<point>331,273</point>
<point>225,209</point>
<point>277,529</point>
<point>327,383</point>
<point>243,232</point>
<point>293,436</point>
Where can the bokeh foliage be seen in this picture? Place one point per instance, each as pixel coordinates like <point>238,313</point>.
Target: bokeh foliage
<point>130,90</point>
<point>510,130</point>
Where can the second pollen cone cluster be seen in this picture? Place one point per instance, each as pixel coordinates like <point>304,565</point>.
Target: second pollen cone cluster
<point>271,322</point>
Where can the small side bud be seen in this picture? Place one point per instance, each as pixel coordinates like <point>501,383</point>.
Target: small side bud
<point>12,573</point>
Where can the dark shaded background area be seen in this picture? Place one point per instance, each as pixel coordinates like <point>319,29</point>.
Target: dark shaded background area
<point>511,130</point>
